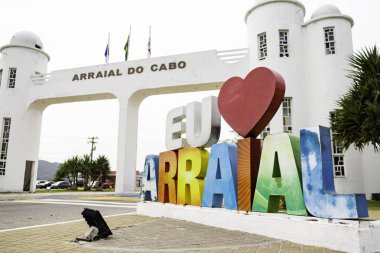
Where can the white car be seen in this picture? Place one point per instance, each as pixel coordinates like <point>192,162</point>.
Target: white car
<point>43,183</point>
<point>93,184</point>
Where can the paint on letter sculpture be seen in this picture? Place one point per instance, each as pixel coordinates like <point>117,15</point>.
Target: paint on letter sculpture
<point>167,183</point>
<point>220,182</point>
<point>203,122</point>
<point>280,175</point>
<point>192,166</point>
<point>318,179</point>
<point>249,151</point>
<point>150,176</point>
<point>175,128</point>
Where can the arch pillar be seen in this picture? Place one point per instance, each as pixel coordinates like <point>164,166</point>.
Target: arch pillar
<point>127,143</point>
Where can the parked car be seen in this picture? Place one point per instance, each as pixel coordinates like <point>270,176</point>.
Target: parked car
<point>108,184</point>
<point>43,183</point>
<point>60,185</point>
<point>93,184</point>
<point>80,183</point>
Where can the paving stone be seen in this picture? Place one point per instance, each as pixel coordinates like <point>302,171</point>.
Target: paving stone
<point>136,233</point>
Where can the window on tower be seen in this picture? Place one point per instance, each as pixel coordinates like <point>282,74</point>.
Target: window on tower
<point>338,156</point>
<point>1,75</point>
<point>283,36</point>
<point>265,132</point>
<point>4,144</point>
<point>287,115</point>
<point>263,50</point>
<point>12,78</point>
<point>329,40</point>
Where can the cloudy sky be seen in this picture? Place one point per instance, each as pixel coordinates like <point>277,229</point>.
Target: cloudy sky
<point>74,34</point>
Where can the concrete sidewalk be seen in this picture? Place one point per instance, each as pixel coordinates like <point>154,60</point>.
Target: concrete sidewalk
<point>135,233</point>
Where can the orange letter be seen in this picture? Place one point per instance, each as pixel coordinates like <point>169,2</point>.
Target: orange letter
<point>167,180</point>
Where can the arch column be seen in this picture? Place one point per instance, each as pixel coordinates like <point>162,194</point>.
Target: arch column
<point>127,143</point>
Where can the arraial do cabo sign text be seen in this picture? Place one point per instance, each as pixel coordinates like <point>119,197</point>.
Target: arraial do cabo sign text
<point>133,70</point>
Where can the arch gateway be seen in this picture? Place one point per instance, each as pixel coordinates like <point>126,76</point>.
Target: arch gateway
<point>309,54</point>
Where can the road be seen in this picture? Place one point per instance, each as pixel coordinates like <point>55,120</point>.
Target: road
<point>34,212</point>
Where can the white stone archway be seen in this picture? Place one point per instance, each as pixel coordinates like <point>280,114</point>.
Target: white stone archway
<point>199,71</point>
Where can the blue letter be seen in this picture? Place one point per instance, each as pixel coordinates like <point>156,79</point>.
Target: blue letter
<point>150,178</point>
<point>221,177</point>
<point>320,197</point>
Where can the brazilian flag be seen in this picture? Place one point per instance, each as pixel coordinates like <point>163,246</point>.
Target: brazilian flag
<point>126,46</point>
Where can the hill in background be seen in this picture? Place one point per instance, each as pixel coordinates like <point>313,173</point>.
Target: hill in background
<point>46,170</point>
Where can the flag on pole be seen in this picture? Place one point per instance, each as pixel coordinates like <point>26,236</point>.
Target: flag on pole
<point>149,45</point>
<point>107,52</point>
<point>126,46</point>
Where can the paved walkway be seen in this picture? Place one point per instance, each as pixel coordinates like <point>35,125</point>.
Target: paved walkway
<point>135,233</point>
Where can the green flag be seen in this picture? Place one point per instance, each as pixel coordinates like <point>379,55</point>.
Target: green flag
<point>126,46</point>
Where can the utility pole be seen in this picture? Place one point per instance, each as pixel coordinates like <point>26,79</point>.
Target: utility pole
<point>86,172</point>
<point>93,147</point>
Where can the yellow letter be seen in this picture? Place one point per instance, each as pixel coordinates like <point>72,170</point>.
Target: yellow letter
<point>192,167</point>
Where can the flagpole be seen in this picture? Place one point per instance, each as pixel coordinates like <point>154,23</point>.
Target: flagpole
<point>126,46</point>
<point>108,55</point>
<point>149,43</point>
<point>129,37</point>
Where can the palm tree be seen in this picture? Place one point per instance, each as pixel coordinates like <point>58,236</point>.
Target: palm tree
<point>102,168</point>
<point>87,167</point>
<point>70,169</point>
<point>357,119</point>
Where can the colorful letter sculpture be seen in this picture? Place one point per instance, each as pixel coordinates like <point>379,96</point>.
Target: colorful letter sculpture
<point>318,180</point>
<point>150,176</point>
<point>280,175</point>
<point>203,123</point>
<point>221,177</point>
<point>175,128</point>
<point>249,151</point>
<point>244,177</point>
<point>248,105</point>
<point>192,166</point>
<point>167,183</point>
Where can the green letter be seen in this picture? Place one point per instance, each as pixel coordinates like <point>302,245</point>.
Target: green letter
<point>280,175</point>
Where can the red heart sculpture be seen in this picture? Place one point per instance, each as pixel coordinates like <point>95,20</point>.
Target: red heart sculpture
<point>249,104</point>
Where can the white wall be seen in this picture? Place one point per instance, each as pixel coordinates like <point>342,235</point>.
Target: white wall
<point>25,124</point>
<point>271,18</point>
<point>371,171</point>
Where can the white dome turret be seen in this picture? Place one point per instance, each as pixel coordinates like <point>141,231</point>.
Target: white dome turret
<point>326,10</point>
<point>26,38</point>
<point>259,3</point>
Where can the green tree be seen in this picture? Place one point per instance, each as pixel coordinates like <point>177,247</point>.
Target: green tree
<point>87,167</point>
<point>101,169</point>
<point>357,119</point>
<point>70,170</point>
<point>61,173</point>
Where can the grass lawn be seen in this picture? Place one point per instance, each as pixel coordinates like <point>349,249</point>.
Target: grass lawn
<point>374,209</point>
<point>69,190</point>
<point>373,205</point>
